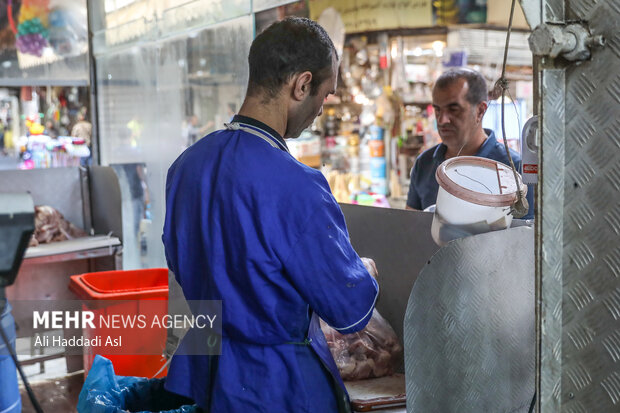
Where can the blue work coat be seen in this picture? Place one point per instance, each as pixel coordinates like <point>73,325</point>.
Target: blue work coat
<point>248,224</point>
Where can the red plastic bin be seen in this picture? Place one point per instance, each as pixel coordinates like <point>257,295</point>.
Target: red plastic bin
<point>146,284</point>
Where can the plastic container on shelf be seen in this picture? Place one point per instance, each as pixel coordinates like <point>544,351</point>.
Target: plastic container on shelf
<point>10,400</point>
<point>376,148</point>
<point>475,196</point>
<point>375,132</point>
<point>364,163</point>
<point>378,176</point>
<point>129,286</point>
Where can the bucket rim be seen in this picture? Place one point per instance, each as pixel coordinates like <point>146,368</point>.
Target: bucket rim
<point>474,197</point>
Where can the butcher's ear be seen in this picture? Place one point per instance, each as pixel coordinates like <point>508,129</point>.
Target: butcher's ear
<point>301,85</point>
<point>481,110</point>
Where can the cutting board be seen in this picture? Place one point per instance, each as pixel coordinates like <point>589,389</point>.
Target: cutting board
<point>377,394</point>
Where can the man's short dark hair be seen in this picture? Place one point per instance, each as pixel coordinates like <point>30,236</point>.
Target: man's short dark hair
<point>477,91</point>
<point>293,45</point>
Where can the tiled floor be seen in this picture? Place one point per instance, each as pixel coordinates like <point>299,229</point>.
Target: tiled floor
<point>55,395</point>
<point>55,389</point>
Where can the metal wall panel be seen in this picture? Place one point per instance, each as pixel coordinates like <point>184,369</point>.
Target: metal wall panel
<point>400,243</point>
<point>60,188</point>
<point>469,327</point>
<point>591,259</point>
<point>581,207</point>
<point>553,11</point>
<point>551,214</point>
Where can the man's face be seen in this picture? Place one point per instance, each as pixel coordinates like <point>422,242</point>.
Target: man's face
<point>312,106</point>
<point>457,119</point>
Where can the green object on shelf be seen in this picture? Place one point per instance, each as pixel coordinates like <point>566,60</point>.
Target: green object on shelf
<point>365,199</point>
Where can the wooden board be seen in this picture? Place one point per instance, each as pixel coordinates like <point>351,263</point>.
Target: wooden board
<point>377,394</point>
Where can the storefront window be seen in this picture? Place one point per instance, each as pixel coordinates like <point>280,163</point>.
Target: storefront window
<point>157,98</point>
<point>44,78</point>
<point>44,43</point>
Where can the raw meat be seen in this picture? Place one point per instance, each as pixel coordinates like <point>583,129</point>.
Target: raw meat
<point>51,226</point>
<point>373,352</point>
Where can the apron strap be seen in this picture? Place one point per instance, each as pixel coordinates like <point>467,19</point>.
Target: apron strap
<point>237,126</point>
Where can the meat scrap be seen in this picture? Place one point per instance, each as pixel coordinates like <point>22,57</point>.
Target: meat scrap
<point>373,352</point>
<point>51,226</point>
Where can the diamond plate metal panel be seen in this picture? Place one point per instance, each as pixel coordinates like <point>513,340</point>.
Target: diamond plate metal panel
<point>469,326</point>
<point>580,220</point>
<point>591,260</point>
<point>553,11</point>
<point>551,208</point>
<point>531,10</point>
<point>582,9</point>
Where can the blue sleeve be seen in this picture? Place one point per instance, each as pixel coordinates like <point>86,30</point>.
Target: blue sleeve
<point>413,197</point>
<point>328,273</point>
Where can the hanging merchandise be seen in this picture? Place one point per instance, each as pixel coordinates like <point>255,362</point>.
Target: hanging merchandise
<point>8,32</point>
<point>9,15</point>
<point>32,31</point>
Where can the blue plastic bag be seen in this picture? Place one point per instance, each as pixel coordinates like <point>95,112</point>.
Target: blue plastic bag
<point>104,392</point>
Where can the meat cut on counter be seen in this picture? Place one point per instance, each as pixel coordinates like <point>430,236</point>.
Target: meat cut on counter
<point>51,226</point>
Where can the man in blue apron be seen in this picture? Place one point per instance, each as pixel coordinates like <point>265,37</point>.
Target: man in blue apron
<point>248,224</point>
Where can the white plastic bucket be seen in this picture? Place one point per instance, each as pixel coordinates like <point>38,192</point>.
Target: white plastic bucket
<point>475,196</point>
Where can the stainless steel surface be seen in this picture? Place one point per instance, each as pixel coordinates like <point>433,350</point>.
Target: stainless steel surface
<point>72,246</point>
<point>552,11</point>
<point>469,326</point>
<point>16,203</point>
<point>580,346</point>
<point>532,12</point>
<point>591,257</point>
<point>105,195</point>
<point>400,243</point>
<point>552,236</point>
<point>58,187</point>
<point>132,189</point>
<point>548,40</point>
<point>79,255</point>
<point>86,205</point>
<point>572,42</point>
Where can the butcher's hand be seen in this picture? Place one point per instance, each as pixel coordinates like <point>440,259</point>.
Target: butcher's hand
<point>369,263</point>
